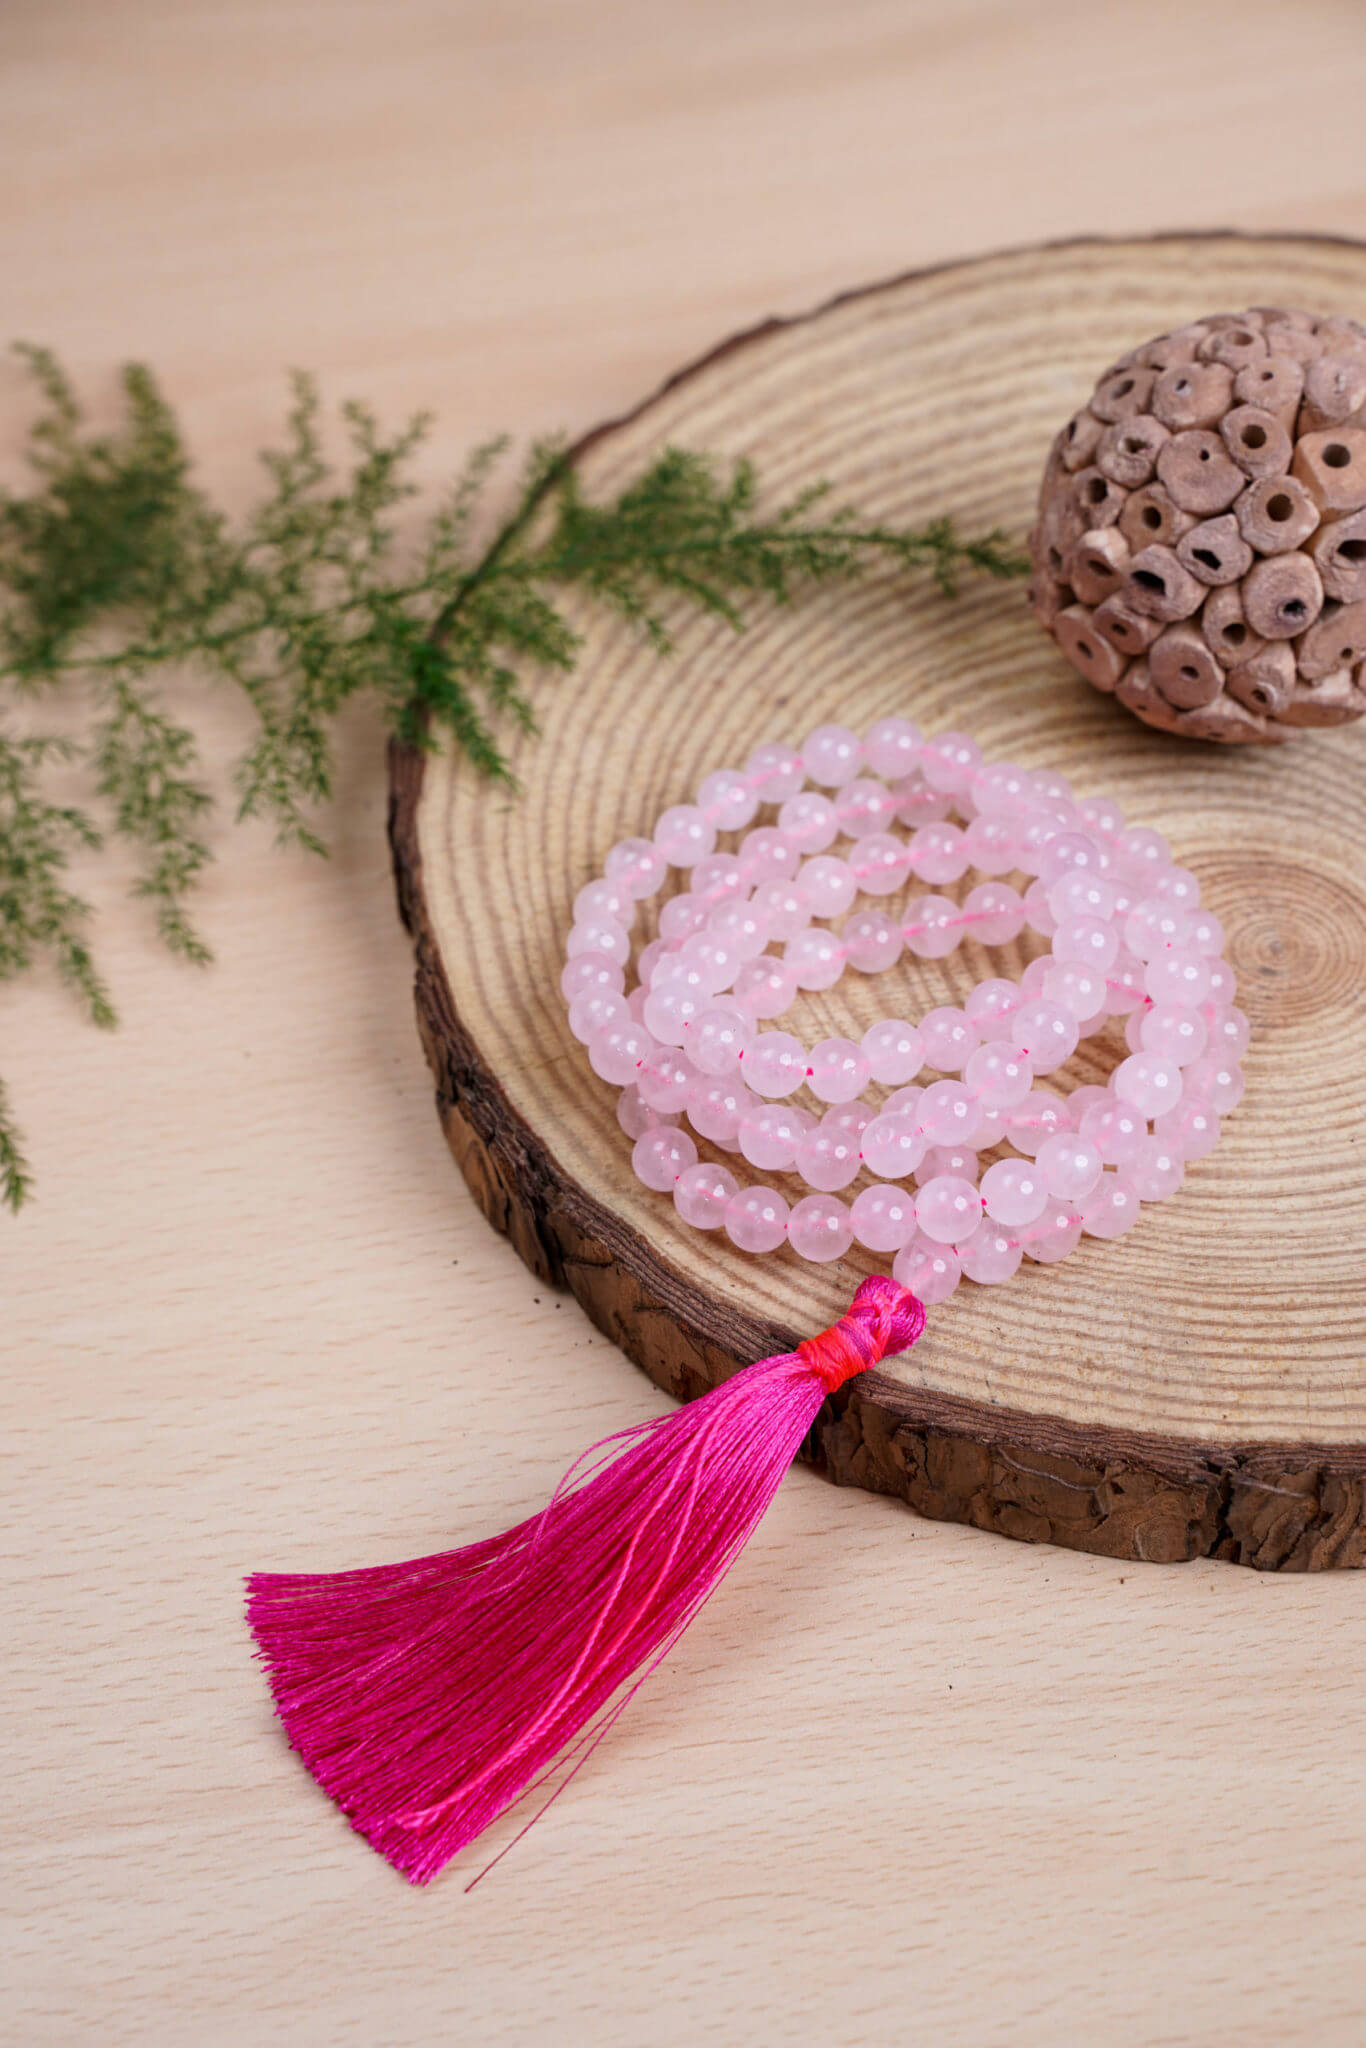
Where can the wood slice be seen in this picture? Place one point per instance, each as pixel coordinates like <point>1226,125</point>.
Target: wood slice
<point>1197,1388</point>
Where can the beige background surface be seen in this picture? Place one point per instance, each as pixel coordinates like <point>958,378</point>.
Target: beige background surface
<point>907,1783</point>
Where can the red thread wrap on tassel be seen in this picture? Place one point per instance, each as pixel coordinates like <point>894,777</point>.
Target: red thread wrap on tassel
<point>427,1697</point>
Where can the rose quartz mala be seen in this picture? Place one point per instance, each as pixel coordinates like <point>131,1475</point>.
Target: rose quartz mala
<point>1126,935</point>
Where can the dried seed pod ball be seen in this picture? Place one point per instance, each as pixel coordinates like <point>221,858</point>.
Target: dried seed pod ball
<point>1200,548</point>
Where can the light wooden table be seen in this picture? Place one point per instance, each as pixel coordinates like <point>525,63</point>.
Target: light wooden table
<point>906,1783</point>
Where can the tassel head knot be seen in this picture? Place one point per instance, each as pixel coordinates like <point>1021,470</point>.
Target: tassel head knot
<point>882,1319</point>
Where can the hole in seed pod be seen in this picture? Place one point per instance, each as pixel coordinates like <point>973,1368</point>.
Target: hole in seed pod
<point>1085,649</point>
<point>1240,338</point>
<point>1293,608</point>
<point>1120,630</point>
<point>1204,454</point>
<point>1280,507</point>
<point>1191,674</point>
<point>1207,556</point>
<point>1123,390</point>
<point>1096,491</point>
<point>1235,634</point>
<point>1352,551</point>
<point>1254,436</point>
<point>1148,579</point>
<point>1098,567</point>
<point>1336,456</point>
<point>1268,376</point>
<point>1054,559</point>
<point>1133,445</point>
<point>1260,695</point>
<point>1151,516</point>
<point>1183,385</point>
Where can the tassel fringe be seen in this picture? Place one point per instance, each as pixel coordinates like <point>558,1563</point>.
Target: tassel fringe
<point>427,1697</point>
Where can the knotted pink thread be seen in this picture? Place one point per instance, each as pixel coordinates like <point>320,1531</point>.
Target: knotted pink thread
<point>427,1697</point>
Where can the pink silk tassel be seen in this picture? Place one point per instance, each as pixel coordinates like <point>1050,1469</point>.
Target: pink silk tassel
<point>426,1697</point>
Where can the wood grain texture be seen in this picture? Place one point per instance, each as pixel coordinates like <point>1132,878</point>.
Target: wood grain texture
<point>910,1783</point>
<point>1161,1398</point>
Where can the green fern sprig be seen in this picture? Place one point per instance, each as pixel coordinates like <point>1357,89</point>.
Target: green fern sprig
<point>121,581</point>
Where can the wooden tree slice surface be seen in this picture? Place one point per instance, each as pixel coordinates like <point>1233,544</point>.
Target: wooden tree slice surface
<point>1195,1388</point>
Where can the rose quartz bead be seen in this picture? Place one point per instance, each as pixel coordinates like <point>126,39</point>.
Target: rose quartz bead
<point>1222,989</point>
<point>828,1159</point>
<point>892,747</point>
<point>616,1052</point>
<point>1081,990</point>
<point>683,835</point>
<point>635,1004</point>
<point>828,884</point>
<point>767,855</point>
<point>958,1161</point>
<point>765,987</point>
<point>775,772</point>
<point>727,799</point>
<point>1046,1033</point>
<point>1152,926</point>
<point>990,1008</point>
<point>1177,976</point>
<point>1039,1117</point>
<point>1038,910</point>
<point>902,1102</point>
<point>1115,1129</point>
<point>993,913</point>
<point>883,1217</point>
<point>756,1219</point>
<point>1070,1165</point>
<point>1176,885</point>
<point>809,821</point>
<point>950,761</point>
<point>670,1008</point>
<point>918,804</point>
<point>701,1194</point>
<point>680,917</point>
<point>1142,850</point>
<point>1206,934</point>
<point>715,960</point>
<point>863,807</point>
<point>871,940</point>
<point>819,1229</point>
<point>1111,1208</point>
<point>948,1039</point>
<point>1081,894</point>
<point>1155,1171</point>
<point>1013,1191</point>
<point>1173,1032</point>
<point>880,863</point>
<point>604,936</point>
<point>720,878</point>
<point>660,1155</point>
<point>637,866</point>
<point>894,1050</point>
<point>832,756</point>
<point>1229,1036</point>
<point>930,1271</point>
<point>636,1117</point>
<point>593,1012</point>
<point>1190,1130</point>
<point>1053,1234</point>
<point>838,1070</point>
<point>1087,939</point>
<point>853,1117</point>
<point>665,1077</point>
<point>815,957</point>
<point>598,900</point>
<point>931,927</point>
<point>1217,1081</point>
<point>946,1208</point>
<point>715,1107</point>
<point>991,1255</point>
<point>716,1039</point>
<point>1148,1084</point>
<point>1064,852</point>
<point>591,971</point>
<point>1003,787</point>
<point>1124,985</point>
<point>991,845</point>
<point>770,1133</point>
<point>999,1075</point>
<point>785,906</point>
<point>989,1129</point>
<point>947,1113</point>
<point>774,1063</point>
<point>892,1146</point>
<point>938,853</point>
<point>1031,981</point>
<point>741,925</point>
